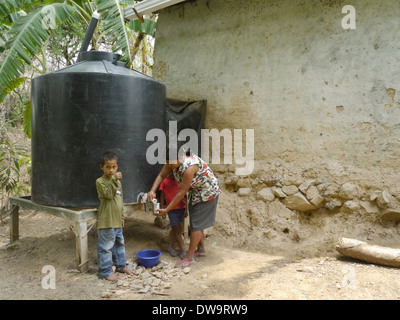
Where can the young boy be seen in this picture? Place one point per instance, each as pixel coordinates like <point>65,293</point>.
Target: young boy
<point>110,220</point>
<point>169,187</point>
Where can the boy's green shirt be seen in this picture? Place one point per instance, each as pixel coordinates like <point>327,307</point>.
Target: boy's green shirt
<point>111,209</point>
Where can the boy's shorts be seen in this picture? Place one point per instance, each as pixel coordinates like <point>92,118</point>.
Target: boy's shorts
<point>176,216</point>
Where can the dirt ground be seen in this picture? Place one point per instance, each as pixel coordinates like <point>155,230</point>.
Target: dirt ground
<point>225,273</point>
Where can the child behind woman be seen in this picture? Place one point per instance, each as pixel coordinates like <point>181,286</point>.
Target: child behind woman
<point>169,187</point>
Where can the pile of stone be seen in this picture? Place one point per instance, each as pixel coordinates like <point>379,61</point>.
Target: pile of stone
<point>312,194</point>
<point>155,280</point>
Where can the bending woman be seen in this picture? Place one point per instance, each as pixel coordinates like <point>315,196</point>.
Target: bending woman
<point>197,179</point>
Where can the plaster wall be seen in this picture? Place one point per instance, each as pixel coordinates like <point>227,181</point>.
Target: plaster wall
<point>309,88</point>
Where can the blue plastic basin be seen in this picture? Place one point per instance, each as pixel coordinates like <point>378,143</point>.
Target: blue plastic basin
<point>149,258</point>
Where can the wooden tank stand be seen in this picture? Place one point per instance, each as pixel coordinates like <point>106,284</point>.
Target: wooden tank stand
<point>81,218</point>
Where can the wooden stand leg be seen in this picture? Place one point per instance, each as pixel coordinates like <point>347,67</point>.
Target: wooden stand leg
<point>82,256</point>
<point>14,224</point>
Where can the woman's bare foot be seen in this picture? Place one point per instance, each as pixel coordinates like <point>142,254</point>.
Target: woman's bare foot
<point>112,277</point>
<point>185,262</point>
<point>125,270</point>
<point>200,253</point>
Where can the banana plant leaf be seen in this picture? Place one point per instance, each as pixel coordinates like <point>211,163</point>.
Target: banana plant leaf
<point>147,27</point>
<point>27,37</point>
<point>113,22</point>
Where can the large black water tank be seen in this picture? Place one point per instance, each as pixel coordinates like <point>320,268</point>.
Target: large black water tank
<point>81,111</point>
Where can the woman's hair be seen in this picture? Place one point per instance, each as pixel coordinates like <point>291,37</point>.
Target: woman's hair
<point>174,153</point>
<point>171,153</point>
<point>108,156</point>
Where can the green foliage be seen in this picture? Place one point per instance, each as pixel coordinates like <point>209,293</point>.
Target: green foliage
<point>27,37</point>
<point>147,27</point>
<point>112,15</point>
<point>64,44</point>
<point>27,119</point>
<point>11,86</point>
<point>12,160</point>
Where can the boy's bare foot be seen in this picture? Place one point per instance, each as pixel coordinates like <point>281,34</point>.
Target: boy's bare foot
<point>172,252</point>
<point>125,270</point>
<point>112,277</point>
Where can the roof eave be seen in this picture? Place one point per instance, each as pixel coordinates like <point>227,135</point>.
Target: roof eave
<point>148,6</point>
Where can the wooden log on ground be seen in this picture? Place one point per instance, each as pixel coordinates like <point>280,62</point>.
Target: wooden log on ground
<point>370,253</point>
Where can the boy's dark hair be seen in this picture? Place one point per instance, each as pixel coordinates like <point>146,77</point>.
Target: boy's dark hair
<point>107,156</point>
